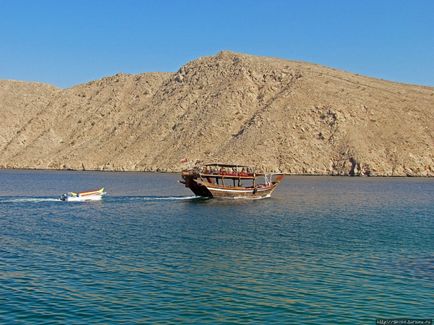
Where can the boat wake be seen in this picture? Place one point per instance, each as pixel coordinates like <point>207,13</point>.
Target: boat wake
<point>28,200</point>
<point>250,198</point>
<point>113,199</point>
<point>170,198</point>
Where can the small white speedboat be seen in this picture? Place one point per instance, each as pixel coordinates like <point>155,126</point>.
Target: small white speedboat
<point>93,195</point>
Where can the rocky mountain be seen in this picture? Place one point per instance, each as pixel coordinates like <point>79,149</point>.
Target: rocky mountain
<point>278,115</point>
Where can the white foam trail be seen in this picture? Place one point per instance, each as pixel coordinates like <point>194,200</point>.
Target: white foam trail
<point>30,200</point>
<point>171,198</point>
<point>144,198</point>
<point>249,198</point>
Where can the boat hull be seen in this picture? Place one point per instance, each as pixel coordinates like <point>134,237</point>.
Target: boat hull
<point>82,198</point>
<point>203,188</point>
<point>94,195</point>
<point>225,192</point>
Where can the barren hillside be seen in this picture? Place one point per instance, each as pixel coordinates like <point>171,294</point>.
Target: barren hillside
<point>275,114</point>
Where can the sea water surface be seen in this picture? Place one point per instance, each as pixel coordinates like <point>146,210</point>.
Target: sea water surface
<point>322,250</point>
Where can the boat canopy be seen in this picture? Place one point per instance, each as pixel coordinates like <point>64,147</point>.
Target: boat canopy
<point>226,165</point>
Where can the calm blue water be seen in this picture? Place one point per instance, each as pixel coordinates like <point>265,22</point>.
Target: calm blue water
<point>322,250</point>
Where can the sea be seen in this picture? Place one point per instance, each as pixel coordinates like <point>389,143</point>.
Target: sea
<point>321,250</point>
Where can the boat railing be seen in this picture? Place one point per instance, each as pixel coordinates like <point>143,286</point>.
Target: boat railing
<point>227,175</point>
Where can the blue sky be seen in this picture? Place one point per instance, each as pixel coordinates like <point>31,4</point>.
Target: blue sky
<point>66,42</point>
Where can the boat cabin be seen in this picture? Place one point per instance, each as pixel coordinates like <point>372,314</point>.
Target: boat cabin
<point>230,175</point>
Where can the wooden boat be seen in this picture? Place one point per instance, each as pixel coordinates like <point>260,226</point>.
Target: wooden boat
<point>93,195</point>
<point>229,181</point>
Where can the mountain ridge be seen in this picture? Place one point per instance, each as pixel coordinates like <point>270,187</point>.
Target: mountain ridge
<point>278,115</point>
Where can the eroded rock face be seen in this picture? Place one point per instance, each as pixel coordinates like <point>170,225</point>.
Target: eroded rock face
<point>278,115</point>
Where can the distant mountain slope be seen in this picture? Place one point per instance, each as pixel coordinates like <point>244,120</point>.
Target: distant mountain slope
<point>278,115</point>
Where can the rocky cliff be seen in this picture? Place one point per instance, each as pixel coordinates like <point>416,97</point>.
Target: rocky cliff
<point>278,115</point>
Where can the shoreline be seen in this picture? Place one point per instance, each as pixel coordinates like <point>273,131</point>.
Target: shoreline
<point>158,171</point>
